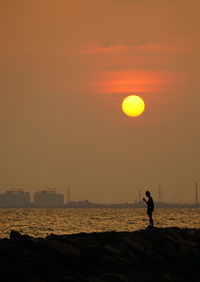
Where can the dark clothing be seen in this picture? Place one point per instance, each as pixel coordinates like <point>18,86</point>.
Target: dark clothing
<point>150,206</point>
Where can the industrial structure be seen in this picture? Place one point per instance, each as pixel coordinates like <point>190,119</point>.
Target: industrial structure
<point>160,200</point>
<point>15,198</point>
<point>48,198</point>
<point>196,194</point>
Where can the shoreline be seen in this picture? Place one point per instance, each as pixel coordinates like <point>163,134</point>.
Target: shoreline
<point>157,254</point>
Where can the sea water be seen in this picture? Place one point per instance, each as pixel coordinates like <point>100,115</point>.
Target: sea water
<point>42,222</point>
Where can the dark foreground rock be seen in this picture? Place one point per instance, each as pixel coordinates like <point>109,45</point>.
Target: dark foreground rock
<point>159,255</point>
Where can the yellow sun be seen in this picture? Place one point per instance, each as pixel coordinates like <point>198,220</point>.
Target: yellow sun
<point>133,106</point>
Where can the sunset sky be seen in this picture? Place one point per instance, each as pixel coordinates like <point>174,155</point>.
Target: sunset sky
<point>66,66</point>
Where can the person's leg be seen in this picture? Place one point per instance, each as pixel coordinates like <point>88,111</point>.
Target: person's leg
<point>151,220</point>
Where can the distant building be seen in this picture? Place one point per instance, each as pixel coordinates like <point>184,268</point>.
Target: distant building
<point>48,199</point>
<point>15,198</point>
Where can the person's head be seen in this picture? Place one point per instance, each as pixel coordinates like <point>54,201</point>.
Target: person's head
<point>148,194</point>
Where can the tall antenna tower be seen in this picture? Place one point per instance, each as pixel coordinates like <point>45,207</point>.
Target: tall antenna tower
<point>196,193</point>
<point>139,196</point>
<point>68,194</point>
<point>159,195</point>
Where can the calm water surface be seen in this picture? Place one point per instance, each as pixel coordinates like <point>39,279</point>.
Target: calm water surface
<point>41,222</point>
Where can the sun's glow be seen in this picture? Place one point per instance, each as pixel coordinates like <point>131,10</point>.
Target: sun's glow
<point>133,106</point>
<point>126,81</point>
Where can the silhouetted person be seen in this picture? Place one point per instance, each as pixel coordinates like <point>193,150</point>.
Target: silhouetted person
<point>150,207</point>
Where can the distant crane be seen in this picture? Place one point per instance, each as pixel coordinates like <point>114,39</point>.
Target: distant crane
<point>196,193</point>
<point>68,194</point>
<point>159,195</point>
<point>139,196</point>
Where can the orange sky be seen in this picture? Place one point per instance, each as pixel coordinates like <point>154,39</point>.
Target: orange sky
<point>65,68</point>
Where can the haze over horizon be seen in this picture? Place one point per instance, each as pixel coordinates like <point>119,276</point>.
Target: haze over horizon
<point>66,67</point>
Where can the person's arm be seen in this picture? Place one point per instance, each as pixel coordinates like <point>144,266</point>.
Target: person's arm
<point>145,200</point>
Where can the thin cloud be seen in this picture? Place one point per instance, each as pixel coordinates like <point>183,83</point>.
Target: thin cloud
<point>131,46</point>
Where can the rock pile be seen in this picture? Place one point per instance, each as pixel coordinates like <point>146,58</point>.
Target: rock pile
<point>159,255</point>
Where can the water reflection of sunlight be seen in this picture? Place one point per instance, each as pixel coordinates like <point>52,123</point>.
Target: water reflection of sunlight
<point>41,222</point>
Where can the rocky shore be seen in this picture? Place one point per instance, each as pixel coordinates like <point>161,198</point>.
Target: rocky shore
<point>158,254</point>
